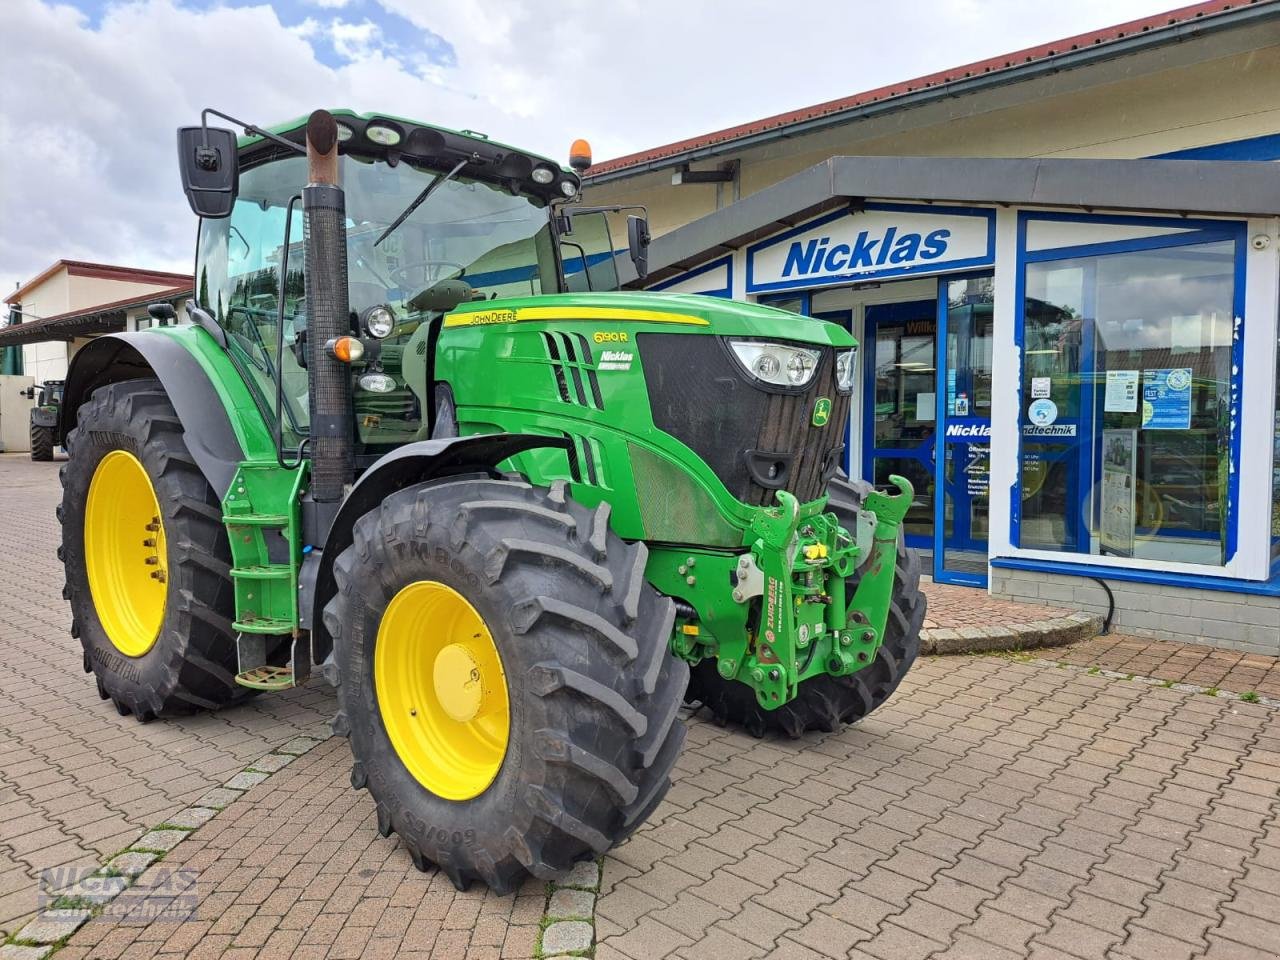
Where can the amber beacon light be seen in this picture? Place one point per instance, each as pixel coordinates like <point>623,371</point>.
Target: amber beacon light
<point>580,155</point>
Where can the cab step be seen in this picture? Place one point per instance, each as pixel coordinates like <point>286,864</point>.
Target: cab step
<point>269,571</point>
<point>270,626</point>
<point>267,678</point>
<point>256,673</point>
<point>255,520</point>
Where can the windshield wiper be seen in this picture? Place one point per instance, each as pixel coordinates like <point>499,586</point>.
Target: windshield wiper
<point>427,191</point>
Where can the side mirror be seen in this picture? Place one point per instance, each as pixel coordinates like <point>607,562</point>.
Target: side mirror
<point>209,161</point>
<point>162,313</point>
<point>638,244</point>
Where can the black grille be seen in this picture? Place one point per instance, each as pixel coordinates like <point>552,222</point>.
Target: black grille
<point>755,440</point>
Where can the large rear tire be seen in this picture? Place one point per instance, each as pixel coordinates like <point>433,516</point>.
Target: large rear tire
<point>146,558</point>
<point>41,443</point>
<point>504,676</point>
<point>825,702</point>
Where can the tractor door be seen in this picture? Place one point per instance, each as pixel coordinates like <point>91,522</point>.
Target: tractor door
<point>238,281</point>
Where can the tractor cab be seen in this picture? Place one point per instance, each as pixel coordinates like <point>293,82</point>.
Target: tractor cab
<point>434,219</point>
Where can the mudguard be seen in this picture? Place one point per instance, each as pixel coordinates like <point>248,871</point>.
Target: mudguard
<point>130,356</point>
<point>413,463</point>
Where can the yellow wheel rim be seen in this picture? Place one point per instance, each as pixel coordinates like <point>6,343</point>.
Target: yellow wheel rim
<point>441,690</point>
<point>124,550</point>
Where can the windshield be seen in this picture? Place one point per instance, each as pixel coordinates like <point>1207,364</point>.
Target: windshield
<point>469,240</point>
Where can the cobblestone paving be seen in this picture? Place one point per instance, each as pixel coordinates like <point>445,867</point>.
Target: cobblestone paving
<point>951,606</point>
<point>297,869</point>
<point>1179,662</point>
<point>78,782</point>
<point>993,809</point>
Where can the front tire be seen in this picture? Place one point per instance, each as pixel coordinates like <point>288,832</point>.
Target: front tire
<point>505,678</point>
<point>41,443</point>
<point>825,702</point>
<point>146,558</point>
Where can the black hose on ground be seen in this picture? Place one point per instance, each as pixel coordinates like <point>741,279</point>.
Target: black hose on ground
<point>1111,605</point>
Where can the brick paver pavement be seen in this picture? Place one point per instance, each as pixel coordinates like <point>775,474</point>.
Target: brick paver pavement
<point>952,606</point>
<point>992,809</point>
<point>1179,662</point>
<point>297,869</point>
<point>78,782</point>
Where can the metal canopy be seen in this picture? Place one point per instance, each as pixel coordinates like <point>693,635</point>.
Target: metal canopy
<point>68,328</point>
<point>1183,187</point>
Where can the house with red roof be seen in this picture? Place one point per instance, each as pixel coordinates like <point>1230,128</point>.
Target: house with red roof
<point>56,312</point>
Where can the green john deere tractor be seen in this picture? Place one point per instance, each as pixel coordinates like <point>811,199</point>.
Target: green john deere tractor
<point>416,439</point>
<point>45,436</point>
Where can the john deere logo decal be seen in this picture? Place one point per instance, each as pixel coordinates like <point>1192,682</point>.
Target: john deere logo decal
<point>821,412</point>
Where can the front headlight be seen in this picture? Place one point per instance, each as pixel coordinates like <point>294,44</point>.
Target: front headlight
<point>777,363</point>
<point>844,369</point>
<point>378,322</point>
<point>377,383</point>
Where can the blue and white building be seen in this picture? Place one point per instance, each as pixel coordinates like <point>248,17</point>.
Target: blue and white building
<point>1071,350</point>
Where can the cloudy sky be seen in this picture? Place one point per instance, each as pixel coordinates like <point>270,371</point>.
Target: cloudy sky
<point>91,90</point>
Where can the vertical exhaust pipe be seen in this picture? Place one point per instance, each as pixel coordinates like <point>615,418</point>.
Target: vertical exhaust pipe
<point>324,215</point>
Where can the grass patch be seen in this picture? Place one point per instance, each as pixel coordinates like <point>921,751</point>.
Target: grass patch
<point>1094,671</point>
<point>1212,692</point>
<point>1249,696</point>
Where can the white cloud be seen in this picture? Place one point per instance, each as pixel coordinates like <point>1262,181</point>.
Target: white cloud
<point>87,112</point>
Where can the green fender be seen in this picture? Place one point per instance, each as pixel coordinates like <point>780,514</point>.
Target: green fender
<point>224,424</point>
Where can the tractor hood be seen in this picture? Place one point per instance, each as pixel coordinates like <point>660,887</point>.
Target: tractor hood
<point>675,312</point>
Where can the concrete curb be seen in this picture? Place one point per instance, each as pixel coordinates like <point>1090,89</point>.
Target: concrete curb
<point>75,905</point>
<point>1056,632</point>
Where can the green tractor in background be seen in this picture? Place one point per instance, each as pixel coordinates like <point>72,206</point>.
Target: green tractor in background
<point>45,415</point>
<point>416,439</point>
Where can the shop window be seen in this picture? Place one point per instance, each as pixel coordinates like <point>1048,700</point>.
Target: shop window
<point>1126,402</point>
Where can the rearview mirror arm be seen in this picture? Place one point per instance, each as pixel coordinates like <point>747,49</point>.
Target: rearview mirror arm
<point>249,128</point>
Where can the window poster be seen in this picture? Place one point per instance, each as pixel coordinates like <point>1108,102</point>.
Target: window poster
<point>1041,387</point>
<point>1166,399</point>
<point>1119,479</point>
<point>1122,392</point>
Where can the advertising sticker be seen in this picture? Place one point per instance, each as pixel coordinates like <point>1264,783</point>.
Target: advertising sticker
<point>1166,399</point>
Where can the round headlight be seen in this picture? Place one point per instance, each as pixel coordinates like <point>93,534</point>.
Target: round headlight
<point>568,188</point>
<point>800,367</point>
<point>378,322</point>
<point>844,369</point>
<point>543,174</point>
<point>377,383</point>
<point>382,133</point>
<point>766,366</point>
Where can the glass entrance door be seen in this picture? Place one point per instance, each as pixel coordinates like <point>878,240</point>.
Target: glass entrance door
<point>963,472</point>
<point>900,405</point>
